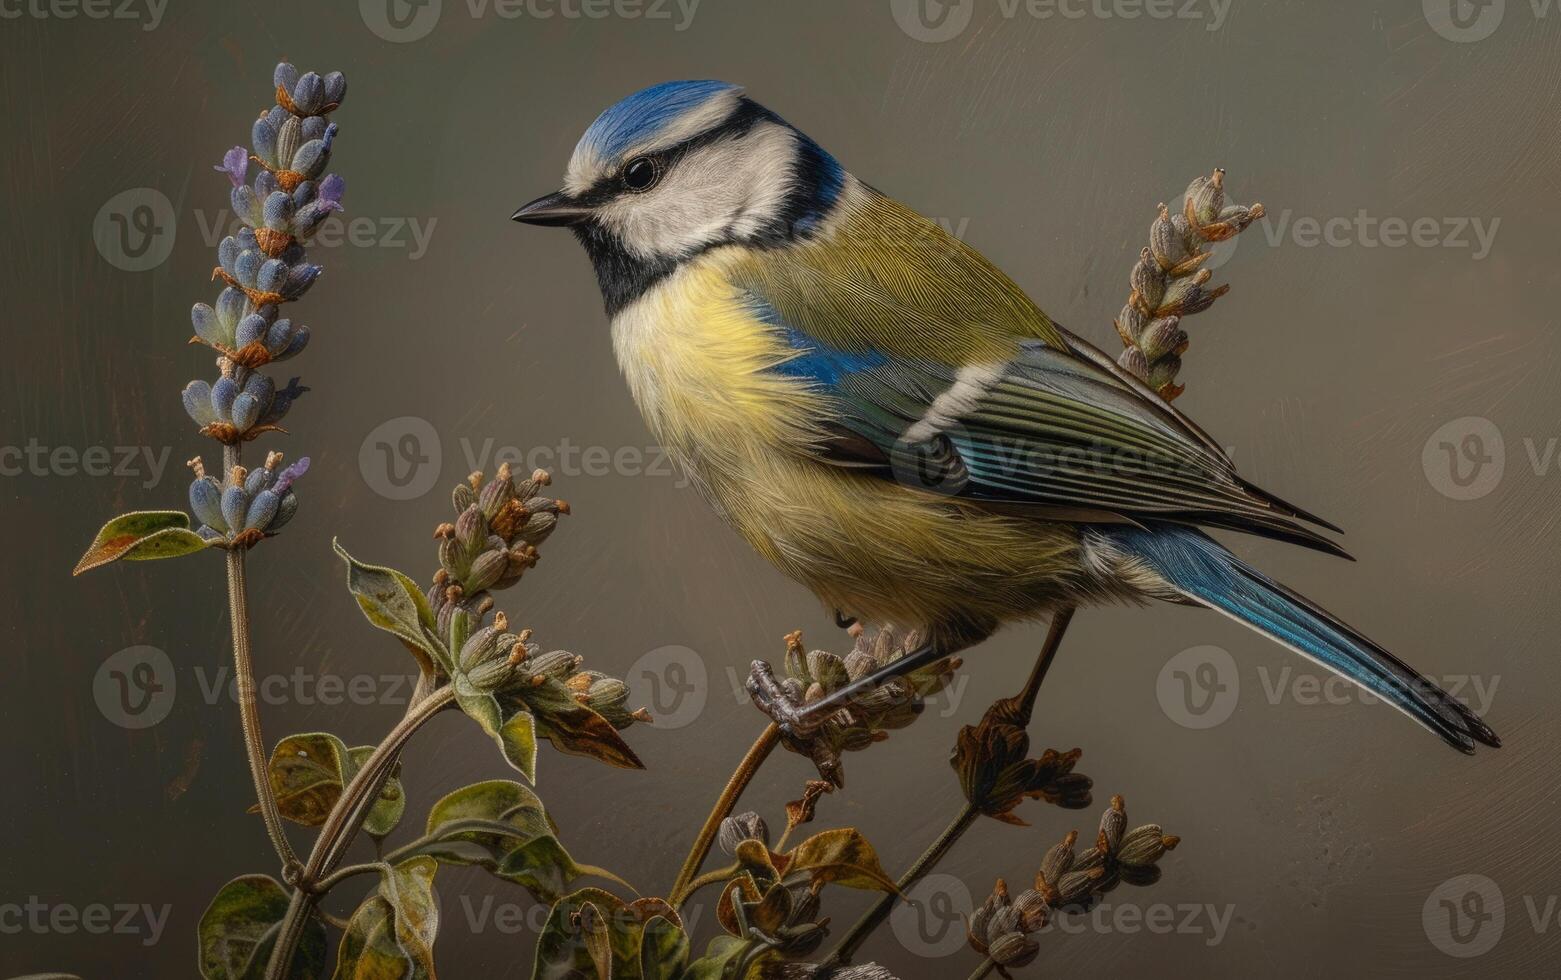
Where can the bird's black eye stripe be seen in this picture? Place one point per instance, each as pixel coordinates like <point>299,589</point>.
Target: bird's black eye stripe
<point>640,174</point>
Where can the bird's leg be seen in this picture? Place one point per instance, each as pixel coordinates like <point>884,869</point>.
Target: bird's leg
<point>800,720</point>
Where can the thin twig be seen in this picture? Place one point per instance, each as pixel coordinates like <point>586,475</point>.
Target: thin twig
<point>1043,661</point>
<point>711,878</point>
<point>875,916</point>
<point>249,710</point>
<point>746,769</point>
<point>986,967</point>
<point>343,823</point>
<point>940,847</point>
<point>342,874</point>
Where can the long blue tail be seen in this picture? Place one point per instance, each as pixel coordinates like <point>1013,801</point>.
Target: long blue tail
<point>1195,565</point>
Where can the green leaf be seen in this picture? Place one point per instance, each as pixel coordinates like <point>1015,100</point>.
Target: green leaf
<point>501,826</point>
<point>593,931</point>
<point>842,856</point>
<point>239,927</point>
<point>564,949</point>
<point>369,950</point>
<point>663,950</point>
<point>541,866</point>
<point>722,952</point>
<point>387,811</point>
<point>142,535</point>
<point>409,888</point>
<point>572,727</point>
<point>394,603</point>
<point>499,800</point>
<point>308,773</point>
<point>511,724</point>
<point>391,935</point>
<point>518,738</point>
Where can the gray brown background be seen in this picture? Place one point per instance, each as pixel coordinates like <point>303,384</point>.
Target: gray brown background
<point>1326,829</point>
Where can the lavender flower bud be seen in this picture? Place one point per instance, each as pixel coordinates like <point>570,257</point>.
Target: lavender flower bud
<point>309,94</point>
<point>206,502</point>
<point>235,504</point>
<point>261,510</point>
<point>197,402</point>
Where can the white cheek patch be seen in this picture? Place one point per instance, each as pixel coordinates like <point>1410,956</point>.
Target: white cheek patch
<point>728,189</point>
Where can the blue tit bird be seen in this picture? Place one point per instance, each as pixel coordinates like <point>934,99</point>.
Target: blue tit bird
<point>890,420</point>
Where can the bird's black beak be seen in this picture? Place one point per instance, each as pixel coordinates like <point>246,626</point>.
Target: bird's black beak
<point>557,210</point>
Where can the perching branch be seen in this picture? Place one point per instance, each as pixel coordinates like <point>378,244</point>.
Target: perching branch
<point>966,818</point>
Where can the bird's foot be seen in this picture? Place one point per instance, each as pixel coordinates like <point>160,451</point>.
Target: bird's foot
<point>784,707</point>
<point>801,725</point>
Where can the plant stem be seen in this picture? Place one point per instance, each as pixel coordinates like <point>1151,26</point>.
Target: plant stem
<point>986,967</point>
<point>343,823</point>
<point>249,709</point>
<point>746,769</point>
<point>342,874</point>
<point>711,878</point>
<point>967,816</point>
<point>930,857</point>
<point>1043,661</point>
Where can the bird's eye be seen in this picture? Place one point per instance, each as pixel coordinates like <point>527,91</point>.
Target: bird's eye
<point>641,174</point>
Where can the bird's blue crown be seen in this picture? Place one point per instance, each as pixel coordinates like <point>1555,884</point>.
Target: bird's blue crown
<point>653,112</point>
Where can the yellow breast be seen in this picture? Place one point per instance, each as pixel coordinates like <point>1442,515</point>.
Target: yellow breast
<point>698,360</point>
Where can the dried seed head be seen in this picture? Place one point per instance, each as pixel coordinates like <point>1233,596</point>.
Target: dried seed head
<point>1059,859</point>
<point>1033,910</point>
<point>1075,886</point>
<point>744,826</point>
<point>1013,950</point>
<point>1144,846</point>
<point>557,664</point>
<point>1112,824</point>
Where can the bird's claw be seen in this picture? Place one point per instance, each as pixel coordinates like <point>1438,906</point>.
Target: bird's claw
<point>800,729</point>
<point>788,712</point>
